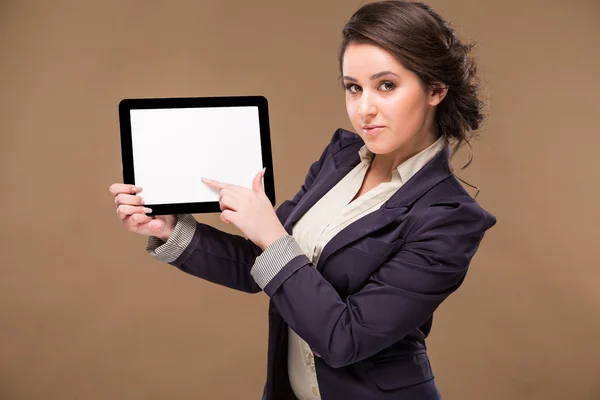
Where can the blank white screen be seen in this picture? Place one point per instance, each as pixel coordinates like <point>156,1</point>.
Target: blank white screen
<point>174,148</point>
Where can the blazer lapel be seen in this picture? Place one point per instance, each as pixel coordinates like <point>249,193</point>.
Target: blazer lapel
<point>340,164</point>
<point>328,177</point>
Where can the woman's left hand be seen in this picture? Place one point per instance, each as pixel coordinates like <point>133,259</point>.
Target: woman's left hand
<point>250,210</point>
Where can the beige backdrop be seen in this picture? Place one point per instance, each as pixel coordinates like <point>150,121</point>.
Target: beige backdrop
<point>87,314</point>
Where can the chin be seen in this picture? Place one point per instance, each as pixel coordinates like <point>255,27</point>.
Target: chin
<point>378,148</point>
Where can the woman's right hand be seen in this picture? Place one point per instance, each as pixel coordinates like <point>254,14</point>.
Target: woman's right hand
<point>131,211</point>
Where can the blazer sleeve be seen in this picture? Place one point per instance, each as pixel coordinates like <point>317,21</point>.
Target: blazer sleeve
<point>226,259</point>
<point>398,298</point>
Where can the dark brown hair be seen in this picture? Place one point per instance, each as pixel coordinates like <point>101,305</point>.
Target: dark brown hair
<point>425,44</point>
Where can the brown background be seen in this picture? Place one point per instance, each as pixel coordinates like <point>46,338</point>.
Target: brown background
<point>87,314</point>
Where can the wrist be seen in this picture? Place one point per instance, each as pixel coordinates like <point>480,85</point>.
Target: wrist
<point>273,237</point>
<point>164,236</point>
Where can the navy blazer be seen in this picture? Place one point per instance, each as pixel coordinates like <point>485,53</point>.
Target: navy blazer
<point>367,307</point>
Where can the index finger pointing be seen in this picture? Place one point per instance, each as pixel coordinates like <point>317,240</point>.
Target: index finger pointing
<point>215,184</point>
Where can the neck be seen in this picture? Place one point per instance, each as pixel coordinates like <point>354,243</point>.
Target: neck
<point>383,165</point>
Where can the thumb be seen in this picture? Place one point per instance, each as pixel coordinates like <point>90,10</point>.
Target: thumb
<point>257,182</point>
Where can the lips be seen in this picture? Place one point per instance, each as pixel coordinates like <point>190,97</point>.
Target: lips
<point>371,130</point>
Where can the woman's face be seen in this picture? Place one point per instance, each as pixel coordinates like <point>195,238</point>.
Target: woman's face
<point>381,92</point>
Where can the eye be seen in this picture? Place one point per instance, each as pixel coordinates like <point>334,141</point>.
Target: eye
<point>349,87</point>
<point>388,85</point>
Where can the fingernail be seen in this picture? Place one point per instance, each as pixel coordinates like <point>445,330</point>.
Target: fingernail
<point>137,189</point>
<point>143,201</point>
<point>207,180</point>
<point>263,171</point>
<point>147,210</point>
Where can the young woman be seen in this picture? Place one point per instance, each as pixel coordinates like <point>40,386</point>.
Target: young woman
<point>378,236</point>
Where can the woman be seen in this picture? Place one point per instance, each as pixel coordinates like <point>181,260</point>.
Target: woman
<point>378,236</point>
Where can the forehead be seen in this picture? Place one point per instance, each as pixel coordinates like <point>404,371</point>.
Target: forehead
<point>367,59</point>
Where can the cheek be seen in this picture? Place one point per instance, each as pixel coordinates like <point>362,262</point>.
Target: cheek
<point>349,106</point>
<point>351,110</point>
<point>405,107</point>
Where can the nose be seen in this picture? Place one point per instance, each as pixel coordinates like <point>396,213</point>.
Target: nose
<point>366,107</point>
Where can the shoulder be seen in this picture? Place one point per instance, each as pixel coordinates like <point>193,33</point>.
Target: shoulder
<point>449,229</point>
<point>459,208</point>
<point>452,198</point>
<point>449,224</point>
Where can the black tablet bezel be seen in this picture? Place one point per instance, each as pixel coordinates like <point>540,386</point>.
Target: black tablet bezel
<point>126,105</point>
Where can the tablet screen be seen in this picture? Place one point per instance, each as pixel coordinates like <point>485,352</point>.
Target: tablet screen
<point>172,148</point>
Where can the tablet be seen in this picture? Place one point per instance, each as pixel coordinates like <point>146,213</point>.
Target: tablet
<point>169,144</point>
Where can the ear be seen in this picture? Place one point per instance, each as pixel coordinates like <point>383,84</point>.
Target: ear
<point>437,92</point>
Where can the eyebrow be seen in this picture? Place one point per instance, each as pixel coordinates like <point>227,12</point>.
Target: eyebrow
<point>375,76</point>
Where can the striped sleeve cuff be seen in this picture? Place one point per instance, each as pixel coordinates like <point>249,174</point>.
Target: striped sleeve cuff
<point>274,258</point>
<point>179,240</point>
